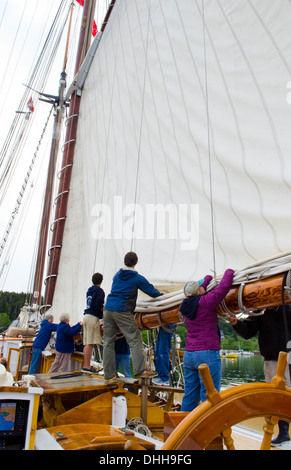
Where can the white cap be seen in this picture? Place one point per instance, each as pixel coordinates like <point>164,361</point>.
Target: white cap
<point>191,288</point>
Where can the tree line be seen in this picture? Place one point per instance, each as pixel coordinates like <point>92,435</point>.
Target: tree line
<point>10,305</point>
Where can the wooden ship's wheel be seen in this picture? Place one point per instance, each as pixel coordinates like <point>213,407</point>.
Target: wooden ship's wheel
<point>221,411</point>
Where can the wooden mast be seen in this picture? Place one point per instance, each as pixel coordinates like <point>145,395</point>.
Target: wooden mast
<point>68,156</point>
<point>44,227</point>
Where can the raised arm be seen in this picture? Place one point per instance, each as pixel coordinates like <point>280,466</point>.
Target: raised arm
<point>148,288</point>
<point>216,295</point>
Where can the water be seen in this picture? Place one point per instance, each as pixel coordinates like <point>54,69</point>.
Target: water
<point>243,369</point>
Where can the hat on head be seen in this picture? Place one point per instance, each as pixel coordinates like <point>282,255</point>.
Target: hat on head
<point>6,378</point>
<point>191,288</point>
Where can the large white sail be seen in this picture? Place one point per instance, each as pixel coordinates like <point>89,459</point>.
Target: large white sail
<point>185,113</point>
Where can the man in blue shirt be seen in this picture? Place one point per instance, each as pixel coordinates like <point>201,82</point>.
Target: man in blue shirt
<point>118,316</point>
<point>46,328</point>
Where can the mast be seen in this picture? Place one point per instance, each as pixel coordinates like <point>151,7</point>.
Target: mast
<point>59,104</point>
<point>68,156</point>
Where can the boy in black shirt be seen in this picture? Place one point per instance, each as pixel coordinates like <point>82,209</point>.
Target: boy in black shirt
<point>92,314</point>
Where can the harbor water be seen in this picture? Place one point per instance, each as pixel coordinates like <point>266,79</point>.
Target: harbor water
<point>242,369</point>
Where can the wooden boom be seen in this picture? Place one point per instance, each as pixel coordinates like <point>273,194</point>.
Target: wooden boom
<point>148,321</point>
<point>261,294</point>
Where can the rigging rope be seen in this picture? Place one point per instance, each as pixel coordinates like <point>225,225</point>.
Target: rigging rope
<point>208,142</point>
<point>10,55</point>
<point>48,55</point>
<point>38,80</point>
<point>16,224</point>
<point>22,191</point>
<point>141,127</point>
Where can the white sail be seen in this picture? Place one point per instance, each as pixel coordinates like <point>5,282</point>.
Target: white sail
<point>185,113</point>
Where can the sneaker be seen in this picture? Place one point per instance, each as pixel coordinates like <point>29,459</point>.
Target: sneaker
<point>160,382</point>
<point>115,376</point>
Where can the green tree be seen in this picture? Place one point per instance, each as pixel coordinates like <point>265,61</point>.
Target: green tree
<point>231,340</point>
<point>12,302</point>
<point>182,332</point>
<point>4,321</point>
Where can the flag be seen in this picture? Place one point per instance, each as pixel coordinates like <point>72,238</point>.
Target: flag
<point>94,29</point>
<point>30,105</point>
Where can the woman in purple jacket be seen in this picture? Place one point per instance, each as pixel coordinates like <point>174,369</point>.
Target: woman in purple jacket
<point>203,336</point>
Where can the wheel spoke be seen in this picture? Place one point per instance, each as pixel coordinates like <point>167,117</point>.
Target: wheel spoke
<point>268,428</point>
<point>227,439</point>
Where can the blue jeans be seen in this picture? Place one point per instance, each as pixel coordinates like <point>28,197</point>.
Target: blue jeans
<point>124,361</point>
<point>194,387</point>
<point>35,361</point>
<point>162,353</point>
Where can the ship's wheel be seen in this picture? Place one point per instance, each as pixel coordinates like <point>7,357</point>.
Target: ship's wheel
<point>221,411</point>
